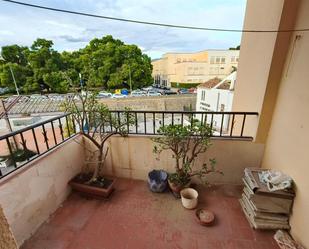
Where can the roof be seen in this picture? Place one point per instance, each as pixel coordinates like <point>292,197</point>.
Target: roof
<point>210,83</point>
<point>225,85</point>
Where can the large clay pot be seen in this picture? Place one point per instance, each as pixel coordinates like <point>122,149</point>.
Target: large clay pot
<point>101,192</point>
<point>189,198</point>
<point>157,180</point>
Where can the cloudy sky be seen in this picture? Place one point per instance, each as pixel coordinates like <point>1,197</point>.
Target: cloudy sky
<point>21,25</point>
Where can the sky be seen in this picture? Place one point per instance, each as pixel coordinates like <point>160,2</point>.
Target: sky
<point>22,25</point>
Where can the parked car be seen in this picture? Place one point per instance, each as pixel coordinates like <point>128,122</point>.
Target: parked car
<point>193,90</point>
<point>169,92</point>
<point>35,97</point>
<point>138,93</point>
<point>119,96</point>
<point>4,90</point>
<point>153,93</point>
<point>56,97</point>
<point>183,91</point>
<point>104,94</point>
<point>148,88</point>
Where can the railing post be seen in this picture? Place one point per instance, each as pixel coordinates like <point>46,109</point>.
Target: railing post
<point>53,130</point>
<point>136,123</point>
<point>35,141</point>
<point>154,122</point>
<point>243,125</point>
<point>45,137</point>
<point>145,123</point>
<point>61,130</point>
<point>232,125</point>
<point>11,151</point>
<point>221,124</point>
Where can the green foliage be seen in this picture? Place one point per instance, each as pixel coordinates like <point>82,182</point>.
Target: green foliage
<point>92,118</point>
<point>186,143</point>
<point>184,85</point>
<point>105,63</point>
<point>236,48</point>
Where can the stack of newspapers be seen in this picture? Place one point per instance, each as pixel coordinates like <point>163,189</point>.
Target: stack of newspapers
<point>263,208</point>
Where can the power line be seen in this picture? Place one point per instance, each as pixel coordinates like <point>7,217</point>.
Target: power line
<point>152,23</point>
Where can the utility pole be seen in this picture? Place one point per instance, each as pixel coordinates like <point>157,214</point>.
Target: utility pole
<point>14,80</point>
<point>130,79</point>
<point>80,80</point>
<point>1,58</point>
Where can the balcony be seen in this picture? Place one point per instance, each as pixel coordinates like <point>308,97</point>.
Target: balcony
<point>136,218</point>
<point>43,213</point>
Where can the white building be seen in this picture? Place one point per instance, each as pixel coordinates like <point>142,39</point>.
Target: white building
<point>216,96</point>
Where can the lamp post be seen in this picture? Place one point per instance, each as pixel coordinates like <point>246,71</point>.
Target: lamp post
<point>130,82</point>
<point>1,58</point>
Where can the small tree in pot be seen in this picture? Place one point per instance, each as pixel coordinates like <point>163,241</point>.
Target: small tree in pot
<point>186,143</point>
<point>92,119</point>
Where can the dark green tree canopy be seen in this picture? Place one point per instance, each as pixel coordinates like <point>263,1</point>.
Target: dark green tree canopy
<point>105,63</point>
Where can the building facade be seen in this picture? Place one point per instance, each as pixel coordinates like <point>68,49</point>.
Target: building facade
<point>216,96</point>
<point>174,69</point>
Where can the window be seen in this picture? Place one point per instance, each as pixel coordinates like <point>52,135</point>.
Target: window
<point>189,80</point>
<point>222,59</point>
<point>222,106</point>
<point>237,59</point>
<point>203,95</point>
<point>194,59</point>
<point>196,68</point>
<point>184,60</point>
<point>212,60</point>
<point>233,59</point>
<point>217,59</point>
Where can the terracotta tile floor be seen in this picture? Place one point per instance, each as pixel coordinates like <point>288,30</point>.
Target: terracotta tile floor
<point>136,218</point>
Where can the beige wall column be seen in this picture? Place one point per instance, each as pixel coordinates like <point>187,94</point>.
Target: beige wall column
<point>262,58</point>
<point>288,140</point>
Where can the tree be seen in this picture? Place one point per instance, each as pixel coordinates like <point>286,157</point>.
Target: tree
<point>20,73</point>
<point>91,118</point>
<point>106,63</point>
<point>15,58</point>
<point>47,65</point>
<point>186,143</point>
<point>236,48</point>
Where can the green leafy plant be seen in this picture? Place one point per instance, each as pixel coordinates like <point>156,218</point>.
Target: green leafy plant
<point>91,118</point>
<point>186,143</point>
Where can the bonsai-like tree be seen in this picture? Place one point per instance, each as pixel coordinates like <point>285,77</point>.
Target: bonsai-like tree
<point>96,123</point>
<point>186,143</point>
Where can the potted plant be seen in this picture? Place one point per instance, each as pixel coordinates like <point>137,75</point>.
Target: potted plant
<point>92,119</point>
<point>186,142</point>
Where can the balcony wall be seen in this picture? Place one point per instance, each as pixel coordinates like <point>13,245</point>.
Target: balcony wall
<point>29,196</point>
<point>132,157</point>
<point>288,139</point>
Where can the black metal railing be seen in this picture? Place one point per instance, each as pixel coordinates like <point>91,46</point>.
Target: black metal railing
<point>224,124</point>
<point>22,146</point>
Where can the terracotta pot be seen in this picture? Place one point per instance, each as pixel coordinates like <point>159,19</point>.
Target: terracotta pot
<point>176,188</point>
<point>92,191</point>
<point>189,198</point>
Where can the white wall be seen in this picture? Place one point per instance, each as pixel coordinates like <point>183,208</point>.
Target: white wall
<point>214,98</point>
